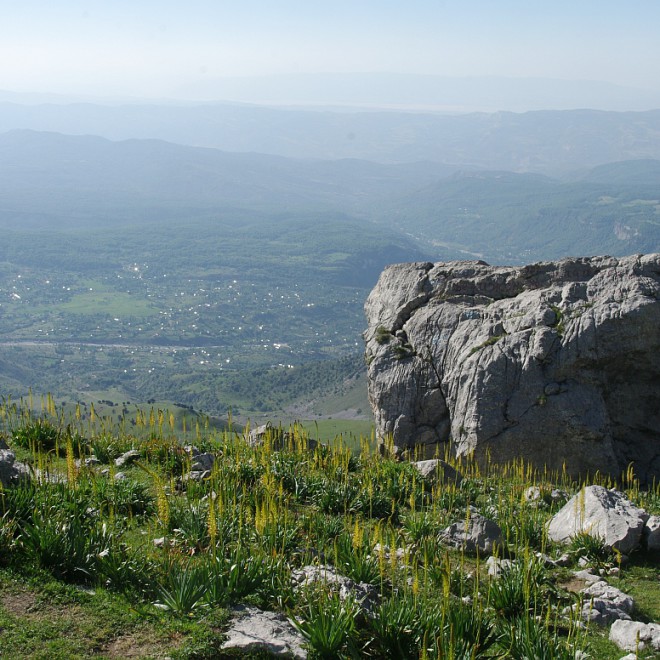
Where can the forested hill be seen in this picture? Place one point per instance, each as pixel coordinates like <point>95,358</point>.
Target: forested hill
<point>506,217</point>
<point>71,176</point>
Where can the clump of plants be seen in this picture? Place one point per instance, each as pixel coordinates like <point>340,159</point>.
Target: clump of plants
<point>187,548</point>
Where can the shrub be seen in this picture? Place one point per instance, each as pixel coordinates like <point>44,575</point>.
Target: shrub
<point>524,637</point>
<point>188,521</point>
<point>38,435</point>
<point>67,546</point>
<point>238,576</point>
<point>125,497</point>
<point>127,570</point>
<point>383,335</point>
<point>356,562</point>
<point>520,589</point>
<point>182,588</point>
<point>459,631</point>
<point>8,530</point>
<point>395,628</point>
<point>592,547</point>
<point>328,624</point>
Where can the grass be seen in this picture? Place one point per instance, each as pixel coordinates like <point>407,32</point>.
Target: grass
<point>81,576</point>
<point>110,303</point>
<point>349,431</point>
<point>41,617</point>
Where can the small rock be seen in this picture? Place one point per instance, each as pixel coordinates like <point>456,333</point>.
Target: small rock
<point>548,561</point>
<point>202,462</point>
<point>586,576</point>
<point>127,458</point>
<point>278,438</point>
<point>532,494</point>
<point>552,389</point>
<point>481,534</point>
<point>197,475</point>
<point>90,461</point>
<point>365,595</point>
<point>387,552</point>
<point>496,566</point>
<point>253,631</point>
<point>557,495</point>
<point>11,470</point>
<point>120,476</point>
<point>438,470</point>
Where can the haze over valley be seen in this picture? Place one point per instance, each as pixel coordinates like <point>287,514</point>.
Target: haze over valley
<point>194,211</point>
<point>140,269</point>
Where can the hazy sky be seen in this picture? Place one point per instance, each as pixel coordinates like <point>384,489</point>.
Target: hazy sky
<point>163,48</point>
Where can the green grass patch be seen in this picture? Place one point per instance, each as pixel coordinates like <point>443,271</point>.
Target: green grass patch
<point>109,303</point>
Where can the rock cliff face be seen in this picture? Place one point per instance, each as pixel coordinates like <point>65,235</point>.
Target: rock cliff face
<point>556,362</point>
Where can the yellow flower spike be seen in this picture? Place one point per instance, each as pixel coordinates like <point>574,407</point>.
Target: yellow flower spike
<point>162,503</point>
<point>70,463</point>
<point>357,534</point>
<point>212,523</point>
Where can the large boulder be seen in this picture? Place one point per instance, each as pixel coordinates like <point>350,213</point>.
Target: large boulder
<point>555,362</point>
<point>635,635</point>
<point>601,513</point>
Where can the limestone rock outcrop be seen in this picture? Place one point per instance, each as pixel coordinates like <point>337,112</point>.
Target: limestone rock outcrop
<point>556,362</point>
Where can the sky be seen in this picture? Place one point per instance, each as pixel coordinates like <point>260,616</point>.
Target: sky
<point>178,49</point>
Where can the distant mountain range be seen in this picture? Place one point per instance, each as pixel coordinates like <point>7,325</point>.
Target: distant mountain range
<point>550,142</point>
<point>54,181</point>
<point>69,177</point>
<point>401,91</point>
